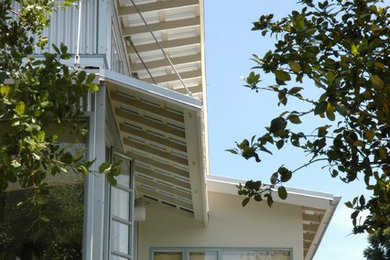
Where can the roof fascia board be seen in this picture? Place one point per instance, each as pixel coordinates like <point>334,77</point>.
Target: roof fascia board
<point>322,228</point>
<point>204,91</point>
<point>295,196</point>
<point>150,89</point>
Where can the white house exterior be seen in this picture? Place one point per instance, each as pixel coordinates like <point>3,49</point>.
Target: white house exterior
<point>151,112</point>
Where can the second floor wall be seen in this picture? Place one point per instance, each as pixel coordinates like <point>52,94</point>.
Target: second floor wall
<point>100,41</point>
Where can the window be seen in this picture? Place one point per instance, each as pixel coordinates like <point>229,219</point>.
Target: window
<point>221,254</point>
<point>121,212</point>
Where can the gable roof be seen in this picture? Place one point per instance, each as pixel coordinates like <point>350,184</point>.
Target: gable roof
<point>317,209</point>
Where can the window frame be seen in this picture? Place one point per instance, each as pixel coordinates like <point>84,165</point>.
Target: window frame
<point>111,218</point>
<point>186,250</point>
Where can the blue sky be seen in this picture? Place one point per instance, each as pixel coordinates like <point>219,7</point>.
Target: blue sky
<point>235,113</point>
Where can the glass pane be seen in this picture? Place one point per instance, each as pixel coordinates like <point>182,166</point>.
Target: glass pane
<point>120,203</point>
<point>167,256</point>
<point>203,255</point>
<point>124,178</point>
<point>115,257</point>
<point>256,255</point>
<point>60,238</point>
<point>119,237</point>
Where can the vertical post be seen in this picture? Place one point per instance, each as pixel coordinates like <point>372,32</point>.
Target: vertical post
<point>94,206</point>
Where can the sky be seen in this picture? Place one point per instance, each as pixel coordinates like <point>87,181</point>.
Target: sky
<point>236,113</point>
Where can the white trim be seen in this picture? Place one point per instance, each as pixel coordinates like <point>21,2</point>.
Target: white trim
<point>150,89</point>
<point>228,185</point>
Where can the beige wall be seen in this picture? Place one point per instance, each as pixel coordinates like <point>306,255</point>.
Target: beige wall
<point>230,225</point>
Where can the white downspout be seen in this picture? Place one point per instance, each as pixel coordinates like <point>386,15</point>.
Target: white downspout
<point>77,56</point>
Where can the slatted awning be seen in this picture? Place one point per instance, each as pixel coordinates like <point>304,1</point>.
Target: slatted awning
<point>176,60</point>
<point>162,131</point>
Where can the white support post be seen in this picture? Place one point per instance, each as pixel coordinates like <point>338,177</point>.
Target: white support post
<point>94,206</point>
<point>196,165</point>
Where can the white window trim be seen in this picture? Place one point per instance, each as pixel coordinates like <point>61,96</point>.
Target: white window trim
<point>186,250</point>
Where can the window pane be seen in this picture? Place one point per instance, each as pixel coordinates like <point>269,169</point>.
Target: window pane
<point>124,178</point>
<point>256,255</point>
<point>120,203</point>
<point>203,255</point>
<point>60,238</point>
<point>167,256</point>
<point>119,237</point>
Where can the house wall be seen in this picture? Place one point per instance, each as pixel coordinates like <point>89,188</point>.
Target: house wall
<point>101,43</point>
<point>230,225</point>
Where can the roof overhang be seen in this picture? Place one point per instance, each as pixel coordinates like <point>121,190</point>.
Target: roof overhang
<point>317,209</point>
<point>164,42</point>
<point>162,131</point>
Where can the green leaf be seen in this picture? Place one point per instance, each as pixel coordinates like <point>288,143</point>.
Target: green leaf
<point>281,75</point>
<point>56,48</point>
<point>354,49</point>
<point>274,177</point>
<point>245,201</point>
<point>379,65</point>
<point>111,180</point>
<point>42,200</point>
<point>349,204</point>
<point>63,48</point>
<point>3,76</point>
<point>233,151</point>
<point>82,169</point>
<point>282,192</point>
<point>90,78</point>
<point>376,82</point>
<point>92,87</point>
<point>279,144</point>
<point>294,90</point>
<point>5,90</point>
<point>341,109</point>
<point>81,76</point>
<point>20,108</point>
<point>285,174</point>
<point>362,201</point>
<point>294,119</point>
<point>67,158</point>
<point>44,218</point>
<point>320,107</point>
<point>270,200</point>
<point>329,112</point>
<point>295,66</point>
<point>258,197</point>
<point>276,124</point>
<point>330,115</point>
<point>104,166</point>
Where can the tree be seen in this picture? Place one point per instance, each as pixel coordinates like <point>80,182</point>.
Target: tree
<point>379,248</point>
<point>36,94</point>
<point>342,48</point>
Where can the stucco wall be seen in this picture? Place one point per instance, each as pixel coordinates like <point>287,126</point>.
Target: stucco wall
<point>230,225</point>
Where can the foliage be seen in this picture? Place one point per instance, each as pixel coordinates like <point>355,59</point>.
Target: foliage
<point>61,238</point>
<point>379,248</point>
<point>36,95</point>
<point>342,48</point>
